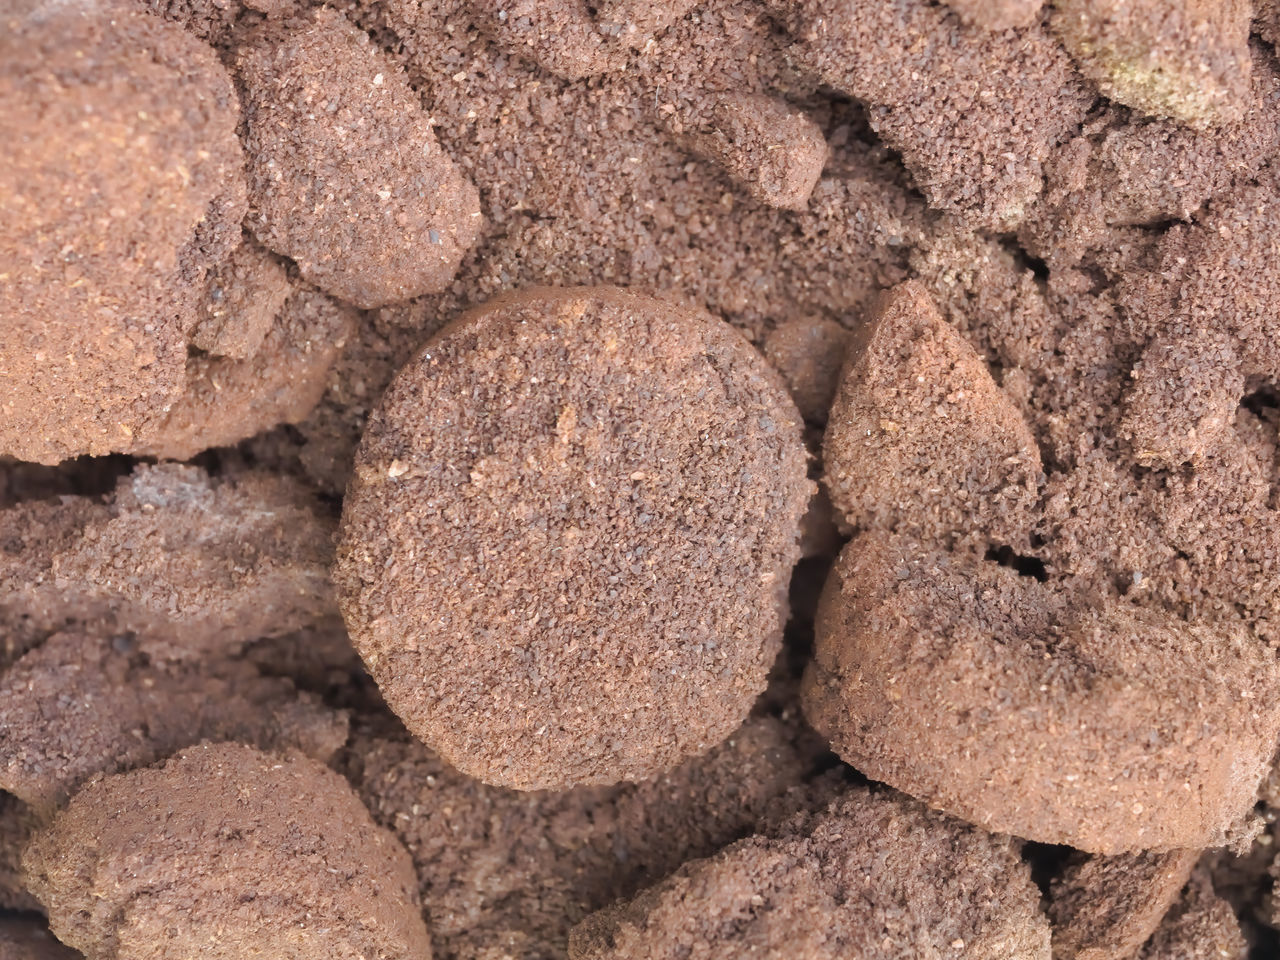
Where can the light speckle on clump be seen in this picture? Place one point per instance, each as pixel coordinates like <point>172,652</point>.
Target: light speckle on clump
<point>538,627</point>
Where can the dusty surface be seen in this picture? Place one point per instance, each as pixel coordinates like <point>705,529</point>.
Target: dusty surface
<point>210,826</point>
<point>811,894</point>
<point>614,485</point>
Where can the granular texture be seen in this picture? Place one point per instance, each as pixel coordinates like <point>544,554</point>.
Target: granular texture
<point>113,214</point>
<point>25,939</point>
<point>506,873</point>
<point>1201,926</point>
<point>187,562</point>
<point>921,439</point>
<point>1187,60</point>
<point>227,399</point>
<point>82,705</point>
<point>809,353</point>
<point>242,297</point>
<point>991,696</point>
<point>225,852</point>
<point>975,113</point>
<point>997,14</point>
<point>1123,170</point>
<point>17,823</point>
<point>345,175</point>
<point>566,550</point>
<point>874,876</point>
<point>1106,908</point>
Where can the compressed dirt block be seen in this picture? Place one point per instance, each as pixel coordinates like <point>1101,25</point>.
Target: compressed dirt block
<point>82,705</point>
<point>245,854</point>
<point>1185,59</point>
<point>187,562</point>
<point>113,215</point>
<point>345,175</point>
<point>614,485</point>
<point>1106,908</point>
<point>980,691</point>
<point>872,874</point>
<point>920,439</point>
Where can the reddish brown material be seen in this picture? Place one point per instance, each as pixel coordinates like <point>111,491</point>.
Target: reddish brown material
<point>511,871</point>
<point>1106,908</point>
<point>615,485</point>
<point>105,248</point>
<point>1187,59</point>
<point>187,562</point>
<point>983,692</point>
<point>245,854</point>
<point>873,876</point>
<point>82,705</point>
<point>345,175</point>
<point>920,438</point>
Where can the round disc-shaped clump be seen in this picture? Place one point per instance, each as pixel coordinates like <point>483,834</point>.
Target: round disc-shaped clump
<point>228,854</point>
<point>566,549</point>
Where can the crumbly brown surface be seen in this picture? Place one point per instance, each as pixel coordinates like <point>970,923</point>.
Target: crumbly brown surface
<point>184,561</point>
<point>875,875</point>
<point>82,705</point>
<point>16,825</point>
<point>23,939</point>
<point>614,486</point>
<point>240,850</point>
<point>1106,908</point>
<point>104,247</point>
<point>1015,258</point>
<point>507,873</point>
<point>980,690</point>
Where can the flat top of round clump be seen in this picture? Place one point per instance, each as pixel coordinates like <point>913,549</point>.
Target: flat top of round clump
<point>566,550</point>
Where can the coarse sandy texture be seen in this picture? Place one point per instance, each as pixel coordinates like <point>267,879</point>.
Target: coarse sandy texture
<point>215,20</point>
<point>634,208</point>
<point>1187,60</point>
<point>506,873</point>
<point>25,939</point>
<point>979,690</point>
<point>105,247</point>
<point>225,852</point>
<point>974,113</point>
<point>566,550</point>
<point>17,823</point>
<point>345,175</point>
<point>81,705</point>
<point>809,353</point>
<point>921,440</point>
<point>1106,908</point>
<point>997,14</point>
<point>1201,926</point>
<point>188,562</point>
<point>875,876</point>
<point>227,399</point>
<point>242,296</point>
<point>1122,170</point>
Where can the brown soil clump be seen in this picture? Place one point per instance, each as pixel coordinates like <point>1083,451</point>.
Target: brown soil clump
<point>104,247</point>
<point>345,175</point>
<point>245,854</point>
<point>614,485</point>
<point>507,873</point>
<point>1106,908</point>
<point>873,876</point>
<point>82,705</point>
<point>185,561</point>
